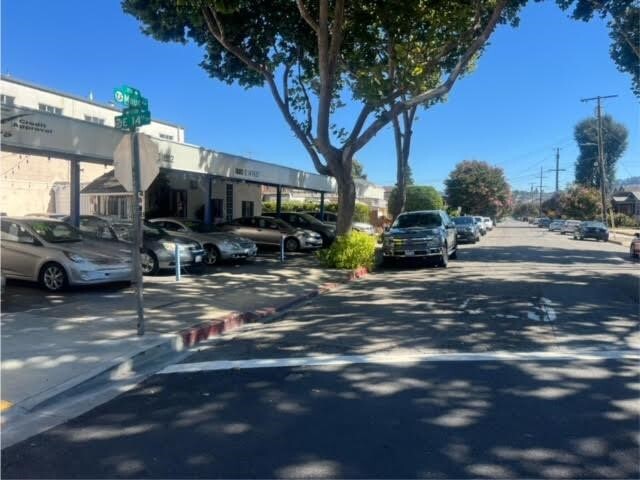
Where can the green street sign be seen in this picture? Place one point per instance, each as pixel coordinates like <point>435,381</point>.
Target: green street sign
<point>130,121</point>
<point>129,96</point>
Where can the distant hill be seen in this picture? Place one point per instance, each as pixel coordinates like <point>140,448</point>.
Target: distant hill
<point>630,183</point>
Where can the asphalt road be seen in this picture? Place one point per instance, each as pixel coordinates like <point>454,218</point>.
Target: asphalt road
<point>528,305</point>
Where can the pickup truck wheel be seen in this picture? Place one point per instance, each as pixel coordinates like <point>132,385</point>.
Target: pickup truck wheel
<point>444,257</point>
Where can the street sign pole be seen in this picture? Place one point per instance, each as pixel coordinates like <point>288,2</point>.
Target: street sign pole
<point>137,231</point>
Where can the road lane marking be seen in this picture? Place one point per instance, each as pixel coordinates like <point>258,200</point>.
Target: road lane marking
<point>389,359</point>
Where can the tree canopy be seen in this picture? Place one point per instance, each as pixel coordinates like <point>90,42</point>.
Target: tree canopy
<point>418,198</point>
<point>478,188</point>
<point>623,20</point>
<point>314,56</point>
<point>614,139</point>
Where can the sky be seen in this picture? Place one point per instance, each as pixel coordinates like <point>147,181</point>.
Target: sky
<point>521,102</point>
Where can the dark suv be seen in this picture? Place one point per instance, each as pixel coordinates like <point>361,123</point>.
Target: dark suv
<point>597,230</point>
<point>467,229</point>
<point>306,221</point>
<point>426,233</point>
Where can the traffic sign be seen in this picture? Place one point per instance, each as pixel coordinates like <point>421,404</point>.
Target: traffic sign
<point>129,97</point>
<point>148,157</point>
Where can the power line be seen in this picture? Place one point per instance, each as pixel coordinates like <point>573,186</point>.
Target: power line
<point>557,169</point>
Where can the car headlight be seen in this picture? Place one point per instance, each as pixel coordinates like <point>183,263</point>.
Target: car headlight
<point>74,257</point>
<point>171,246</point>
<point>230,245</point>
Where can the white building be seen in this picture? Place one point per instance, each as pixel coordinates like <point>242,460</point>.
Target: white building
<point>51,138</point>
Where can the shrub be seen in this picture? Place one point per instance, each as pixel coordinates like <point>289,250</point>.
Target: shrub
<point>356,249</point>
<point>622,220</point>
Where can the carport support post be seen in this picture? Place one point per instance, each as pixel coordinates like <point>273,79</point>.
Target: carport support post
<point>207,201</point>
<point>278,200</point>
<point>137,231</point>
<point>321,206</point>
<point>74,192</point>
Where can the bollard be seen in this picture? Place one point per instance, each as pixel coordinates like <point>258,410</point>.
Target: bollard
<point>282,237</point>
<point>177,255</point>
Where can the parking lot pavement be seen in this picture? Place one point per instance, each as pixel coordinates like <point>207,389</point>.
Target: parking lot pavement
<point>51,342</point>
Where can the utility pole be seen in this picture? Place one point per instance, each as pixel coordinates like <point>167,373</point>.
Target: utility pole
<point>557,170</point>
<point>530,210</point>
<point>540,204</point>
<point>603,192</point>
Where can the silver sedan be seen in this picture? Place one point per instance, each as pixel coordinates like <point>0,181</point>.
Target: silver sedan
<point>55,255</point>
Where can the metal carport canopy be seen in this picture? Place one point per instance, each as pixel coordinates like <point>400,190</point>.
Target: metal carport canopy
<point>45,134</point>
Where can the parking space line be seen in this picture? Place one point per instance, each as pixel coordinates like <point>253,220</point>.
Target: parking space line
<point>407,358</point>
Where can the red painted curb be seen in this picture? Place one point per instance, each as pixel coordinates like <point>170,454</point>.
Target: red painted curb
<point>198,333</point>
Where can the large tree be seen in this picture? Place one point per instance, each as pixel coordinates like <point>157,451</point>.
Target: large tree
<point>614,139</point>
<point>313,56</point>
<point>581,203</point>
<point>417,198</point>
<point>623,20</point>
<point>478,188</point>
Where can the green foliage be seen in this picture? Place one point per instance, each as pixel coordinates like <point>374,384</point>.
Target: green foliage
<point>479,189</point>
<point>614,137</point>
<point>623,20</point>
<point>362,212</point>
<point>622,220</point>
<point>353,250</point>
<point>418,198</point>
<point>525,210</point>
<point>553,207</point>
<point>358,170</point>
<point>581,203</point>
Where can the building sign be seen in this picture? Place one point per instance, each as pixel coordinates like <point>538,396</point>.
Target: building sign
<point>43,133</point>
<point>245,172</point>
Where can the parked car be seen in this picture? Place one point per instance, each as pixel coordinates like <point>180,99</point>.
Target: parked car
<point>569,226</point>
<point>55,255</point>
<point>305,221</point>
<point>556,225</point>
<point>331,219</point>
<point>158,248</point>
<point>488,223</point>
<point>218,245</point>
<point>591,229</point>
<point>634,248</point>
<point>426,233</point>
<point>55,216</point>
<point>481,225</point>
<point>467,230</point>
<point>544,222</point>
<point>270,231</point>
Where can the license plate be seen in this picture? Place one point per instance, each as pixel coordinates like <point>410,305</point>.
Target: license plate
<point>198,258</point>
<point>409,253</point>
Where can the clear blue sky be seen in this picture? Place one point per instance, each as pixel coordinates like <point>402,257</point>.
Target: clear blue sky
<point>521,102</point>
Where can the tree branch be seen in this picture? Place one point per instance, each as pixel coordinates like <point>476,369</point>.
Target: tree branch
<point>304,13</point>
<point>357,127</point>
<point>337,35</point>
<point>438,91</point>
<point>217,31</point>
<point>325,94</point>
<point>308,102</point>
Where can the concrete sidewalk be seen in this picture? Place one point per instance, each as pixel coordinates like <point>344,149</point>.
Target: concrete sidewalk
<point>76,336</point>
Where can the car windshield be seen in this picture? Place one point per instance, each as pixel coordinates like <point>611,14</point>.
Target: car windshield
<point>463,221</point>
<point>418,220</point>
<point>594,224</point>
<point>55,232</point>
<point>199,227</point>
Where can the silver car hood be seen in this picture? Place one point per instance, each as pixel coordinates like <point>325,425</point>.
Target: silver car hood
<point>96,250</point>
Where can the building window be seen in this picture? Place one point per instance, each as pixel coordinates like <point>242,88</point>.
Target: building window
<point>229,199</point>
<point>49,109</point>
<point>98,120</point>
<point>247,209</point>
<point>216,208</point>
<point>7,100</point>
<point>164,136</point>
<point>178,205</point>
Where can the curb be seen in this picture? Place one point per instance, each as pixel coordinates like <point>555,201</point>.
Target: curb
<point>211,329</point>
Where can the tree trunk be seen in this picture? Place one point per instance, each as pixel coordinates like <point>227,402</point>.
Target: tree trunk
<point>346,190</point>
<point>403,149</point>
